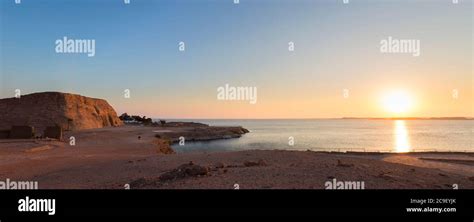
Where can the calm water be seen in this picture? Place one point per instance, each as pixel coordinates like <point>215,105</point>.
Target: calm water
<point>344,135</point>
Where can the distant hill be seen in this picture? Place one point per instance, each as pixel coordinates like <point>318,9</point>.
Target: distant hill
<point>70,111</point>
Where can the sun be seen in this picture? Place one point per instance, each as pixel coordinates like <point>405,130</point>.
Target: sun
<point>397,102</point>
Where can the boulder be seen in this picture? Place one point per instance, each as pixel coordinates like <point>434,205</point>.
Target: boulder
<point>220,165</point>
<point>163,146</point>
<point>185,170</point>
<point>340,164</point>
<point>260,162</point>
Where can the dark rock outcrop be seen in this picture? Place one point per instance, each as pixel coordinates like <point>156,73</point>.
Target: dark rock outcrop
<point>185,170</point>
<point>260,162</point>
<point>184,124</point>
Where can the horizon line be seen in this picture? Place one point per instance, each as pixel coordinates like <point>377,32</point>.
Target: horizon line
<point>330,118</point>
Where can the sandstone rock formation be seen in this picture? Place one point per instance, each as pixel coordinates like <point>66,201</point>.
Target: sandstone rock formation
<point>69,111</point>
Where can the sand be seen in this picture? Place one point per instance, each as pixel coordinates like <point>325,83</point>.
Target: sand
<point>111,158</point>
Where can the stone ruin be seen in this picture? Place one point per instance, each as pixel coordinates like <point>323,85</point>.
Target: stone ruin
<point>28,132</point>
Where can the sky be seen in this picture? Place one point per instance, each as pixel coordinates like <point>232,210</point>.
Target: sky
<point>336,69</point>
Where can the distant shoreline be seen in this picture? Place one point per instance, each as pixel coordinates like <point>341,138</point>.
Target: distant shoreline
<point>336,118</point>
<point>412,118</point>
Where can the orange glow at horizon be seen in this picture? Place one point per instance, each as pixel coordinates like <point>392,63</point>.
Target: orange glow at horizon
<point>383,101</point>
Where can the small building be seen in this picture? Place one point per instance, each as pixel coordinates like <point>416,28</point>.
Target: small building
<point>4,134</point>
<point>22,132</point>
<point>55,132</point>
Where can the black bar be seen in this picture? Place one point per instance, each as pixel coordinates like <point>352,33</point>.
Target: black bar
<point>235,203</point>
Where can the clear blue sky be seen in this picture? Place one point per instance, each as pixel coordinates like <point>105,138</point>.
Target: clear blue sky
<point>337,47</point>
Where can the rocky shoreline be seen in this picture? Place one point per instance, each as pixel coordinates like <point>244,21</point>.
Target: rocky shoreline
<point>167,136</point>
<point>203,133</point>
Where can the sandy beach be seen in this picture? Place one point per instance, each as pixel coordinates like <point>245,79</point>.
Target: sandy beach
<point>112,157</point>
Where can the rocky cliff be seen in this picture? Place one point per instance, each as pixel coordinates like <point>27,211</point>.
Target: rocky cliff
<point>70,111</point>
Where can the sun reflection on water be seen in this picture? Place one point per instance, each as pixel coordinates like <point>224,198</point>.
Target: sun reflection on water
<point>402,141</point>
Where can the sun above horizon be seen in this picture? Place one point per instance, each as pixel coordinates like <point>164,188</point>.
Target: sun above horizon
<point>397,102</point>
